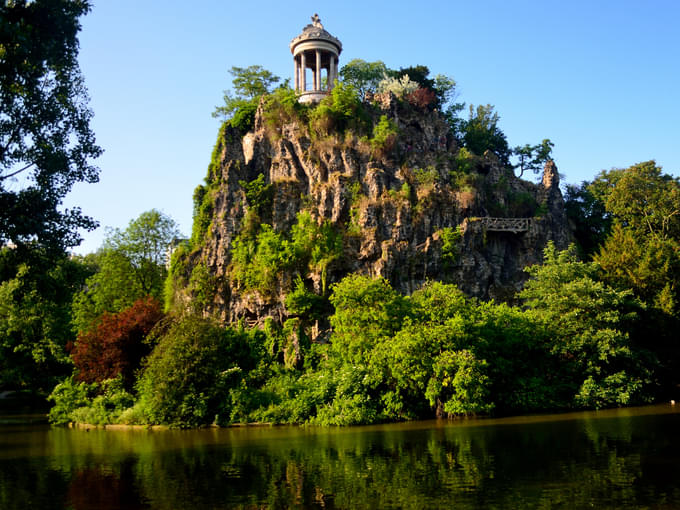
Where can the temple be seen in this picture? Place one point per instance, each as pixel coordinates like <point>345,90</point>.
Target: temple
<point>317,50</point>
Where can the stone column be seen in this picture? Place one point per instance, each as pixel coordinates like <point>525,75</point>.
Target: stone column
<point>303,69</point>
<point>318,71</point>
<point>332,72</point>
<point>296,74</point>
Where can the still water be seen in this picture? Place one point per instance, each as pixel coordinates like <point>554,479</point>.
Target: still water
<point>624,458</point>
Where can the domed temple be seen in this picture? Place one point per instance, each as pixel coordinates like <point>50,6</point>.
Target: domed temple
<point>319,51</point>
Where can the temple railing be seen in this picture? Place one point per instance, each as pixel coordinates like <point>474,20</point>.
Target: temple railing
<point>514,225</point>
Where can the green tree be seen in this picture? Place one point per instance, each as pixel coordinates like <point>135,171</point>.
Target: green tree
<point>445,89</point>
<point>363,76</point>
<point>589,323</point>
<point>35,320</point>
<point>46,145</point>
<point>643,251</point>
<point>419,74</point>
<point>459,383</point>
<point>591,222</point>
<point>643,198</point>
<point>533,157</point>
<point>366,311</point>
<point>480,132</point>
<point>131,265</point>
<point>249,84</point>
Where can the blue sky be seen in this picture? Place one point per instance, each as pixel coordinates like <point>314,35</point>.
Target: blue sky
<point>601,79</point>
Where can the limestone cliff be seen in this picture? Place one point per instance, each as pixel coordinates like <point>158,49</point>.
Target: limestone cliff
<point>409,209</point>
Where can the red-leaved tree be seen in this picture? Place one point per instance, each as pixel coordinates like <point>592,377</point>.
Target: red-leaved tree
<point>115,344</point>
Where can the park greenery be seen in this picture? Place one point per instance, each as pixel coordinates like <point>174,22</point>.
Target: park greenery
<point>593,326</point>
<point>585,332</point>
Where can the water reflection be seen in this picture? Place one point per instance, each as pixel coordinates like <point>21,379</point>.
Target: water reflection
<point>612,459</point>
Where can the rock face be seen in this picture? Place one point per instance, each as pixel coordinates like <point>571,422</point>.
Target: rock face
<point>412,210</point>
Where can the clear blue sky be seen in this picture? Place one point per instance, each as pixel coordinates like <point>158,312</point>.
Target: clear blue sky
<point>601,79</point>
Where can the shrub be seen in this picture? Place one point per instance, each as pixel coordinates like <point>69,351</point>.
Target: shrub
<point>426,177</point>
<point>204,204</point>
<point>67,397</point>
<point>96,403</point>
<point>451,239</point>
<point>384,136</point>
<point>521,204</point>
<point>203,287</point>
<point>422,97</point>
<point>465,161</point>
<point>304,303</point>
<point>244,116</point>
<point>259,195</point>
<point>282,107</point>
<point>256,263</point>
<point>339,111</point>
<point>110,401</point>
<point>186,379</point>
<point>400,87</point>
<point>115,345</point>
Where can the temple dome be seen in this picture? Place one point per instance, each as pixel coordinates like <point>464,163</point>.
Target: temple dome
<point>315,32</point>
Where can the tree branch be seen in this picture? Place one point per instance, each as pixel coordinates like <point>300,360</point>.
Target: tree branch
<point>9,176</point>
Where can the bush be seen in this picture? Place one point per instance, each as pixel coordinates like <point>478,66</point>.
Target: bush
<point>244,116</point>
<point>187,378</point>
<point>67,397</point>
<point>204,205</point>
<point>451,240</point>
<point>282,107</point>
<point>384,136</point>
<point>106,406</point>
<point>339,111</point>
<point>96,404</point>
<point>422,97</point>
<point>400,87</point>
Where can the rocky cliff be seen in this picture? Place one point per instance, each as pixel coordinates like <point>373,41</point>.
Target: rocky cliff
<point>392,197</point>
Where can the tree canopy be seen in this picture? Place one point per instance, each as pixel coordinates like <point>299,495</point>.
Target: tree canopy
<point>249,84</point>
<point>363,76</point>
<point>131,265</point>
<point>643,250</point>
<point>46,144</point>
<point>35,319</point>
<point>480,132</point>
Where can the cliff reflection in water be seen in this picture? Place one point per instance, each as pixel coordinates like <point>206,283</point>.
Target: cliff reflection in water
<point>616,459</point>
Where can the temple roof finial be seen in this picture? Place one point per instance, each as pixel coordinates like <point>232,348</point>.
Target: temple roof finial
<point>316,21</point>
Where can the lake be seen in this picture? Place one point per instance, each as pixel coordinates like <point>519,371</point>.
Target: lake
<point>622,458</point>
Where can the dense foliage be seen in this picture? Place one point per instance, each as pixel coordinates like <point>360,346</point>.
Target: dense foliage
<point>46,145</point>
<point>391,357</point>
<point>35,318</point>
<point>186,379</point>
